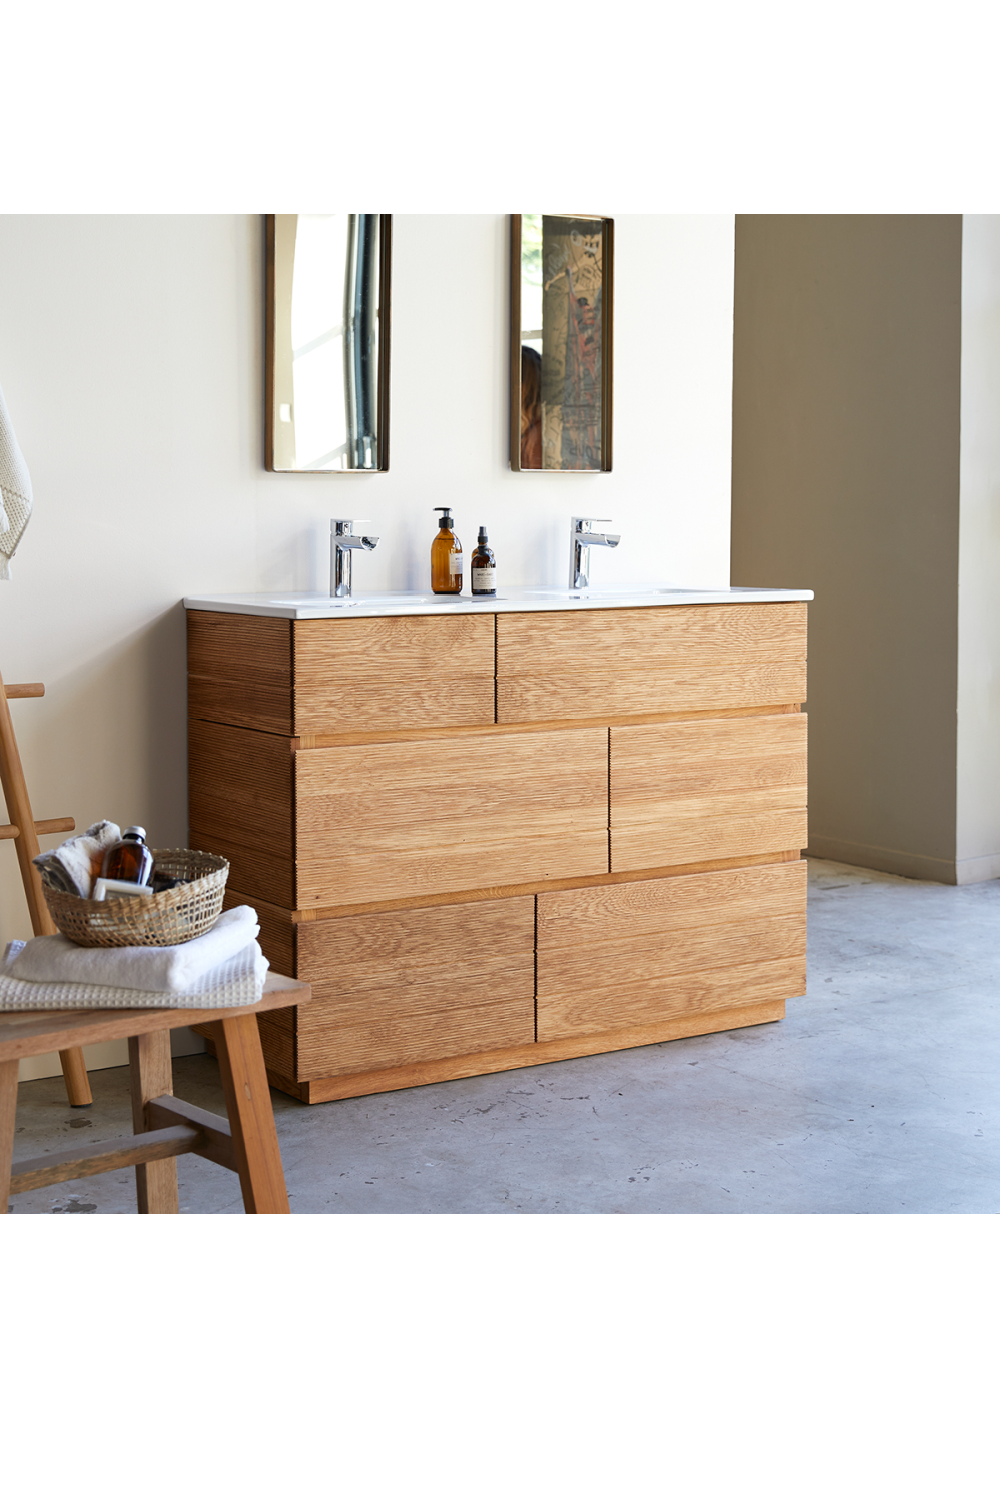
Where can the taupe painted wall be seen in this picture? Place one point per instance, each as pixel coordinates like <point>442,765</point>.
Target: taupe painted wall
<point>846,441</point>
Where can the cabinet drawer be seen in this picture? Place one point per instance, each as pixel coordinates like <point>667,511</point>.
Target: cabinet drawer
<point>630,662</point>
<point>412,672</point>
<point>240,806</point>
<point>707,789</point>
<point>619,956</point>
<point>379,822</point>
<point>391,988</point>
<point>240,670</point>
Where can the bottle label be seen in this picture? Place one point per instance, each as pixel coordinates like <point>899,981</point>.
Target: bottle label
<point>455,563</point>
<point>484,580</point>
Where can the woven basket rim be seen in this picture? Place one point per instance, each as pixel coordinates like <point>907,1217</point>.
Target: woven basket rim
<point>161,901</point>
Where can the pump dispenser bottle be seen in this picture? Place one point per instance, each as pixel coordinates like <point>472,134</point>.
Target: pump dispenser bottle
<point>446,556</point>
<point>484,567</point>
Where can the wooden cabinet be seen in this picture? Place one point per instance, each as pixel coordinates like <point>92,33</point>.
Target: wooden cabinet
<point>493,840</point>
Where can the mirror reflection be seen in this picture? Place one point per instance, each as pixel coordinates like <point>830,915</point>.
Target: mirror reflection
<point>561,342</point>
<point>327,375</point>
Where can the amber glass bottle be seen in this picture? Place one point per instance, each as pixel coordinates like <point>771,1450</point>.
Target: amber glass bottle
<point>484,566</point>
<point>446,556</point>
<point>130,859</point>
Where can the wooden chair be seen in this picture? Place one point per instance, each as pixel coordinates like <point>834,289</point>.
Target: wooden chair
<point>24,831</point>
<point>166,1127</point>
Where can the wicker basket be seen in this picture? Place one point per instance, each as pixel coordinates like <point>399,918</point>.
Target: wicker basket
<point>175,916</point>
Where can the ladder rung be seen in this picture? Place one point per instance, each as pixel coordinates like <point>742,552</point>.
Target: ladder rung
<point>47,825</point>
<point>25,689</point>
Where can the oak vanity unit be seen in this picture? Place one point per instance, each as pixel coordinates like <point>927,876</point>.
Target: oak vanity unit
<point>496,835</point>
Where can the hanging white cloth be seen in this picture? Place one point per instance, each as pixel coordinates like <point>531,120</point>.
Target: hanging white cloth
<point>15,491</point>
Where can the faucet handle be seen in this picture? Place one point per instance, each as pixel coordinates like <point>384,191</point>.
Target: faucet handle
<point>589,520</point>
<point>339,521</point>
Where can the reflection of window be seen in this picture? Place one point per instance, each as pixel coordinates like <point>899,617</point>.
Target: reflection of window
<point>318,342</point>
<point>531,281</point>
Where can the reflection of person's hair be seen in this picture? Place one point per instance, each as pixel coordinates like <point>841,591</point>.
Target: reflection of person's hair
<point>531,408</point>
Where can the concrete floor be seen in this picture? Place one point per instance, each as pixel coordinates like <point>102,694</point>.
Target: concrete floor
<point>876,1095</point>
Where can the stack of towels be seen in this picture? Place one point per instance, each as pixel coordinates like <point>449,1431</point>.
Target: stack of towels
<point>225,967</point>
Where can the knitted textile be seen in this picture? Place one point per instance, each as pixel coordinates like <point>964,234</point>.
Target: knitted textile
<point>15,491</point>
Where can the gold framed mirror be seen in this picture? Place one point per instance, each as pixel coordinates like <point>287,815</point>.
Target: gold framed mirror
<point>561,305</point>
<point>326,383</point>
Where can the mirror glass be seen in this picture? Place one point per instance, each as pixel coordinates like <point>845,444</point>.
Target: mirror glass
<point>327,375</point>
<point>561,342</point>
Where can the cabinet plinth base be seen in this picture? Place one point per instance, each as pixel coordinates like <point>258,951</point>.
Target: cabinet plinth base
<point>506,1059</point>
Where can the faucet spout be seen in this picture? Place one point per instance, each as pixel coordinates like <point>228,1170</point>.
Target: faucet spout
<point>581,539</point>
<point>342,543</point>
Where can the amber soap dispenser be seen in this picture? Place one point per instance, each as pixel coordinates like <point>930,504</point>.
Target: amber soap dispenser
<point>446,556</point>
<point>484,567</point>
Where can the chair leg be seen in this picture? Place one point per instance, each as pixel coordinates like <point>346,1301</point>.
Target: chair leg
<point>152,1075</point>
<point>75,1078</point>
<point>8,1109</point>
<point>251,1118</point>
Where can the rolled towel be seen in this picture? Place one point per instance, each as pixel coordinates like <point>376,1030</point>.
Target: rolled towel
<point>55,960</point>
<point>76,864</point>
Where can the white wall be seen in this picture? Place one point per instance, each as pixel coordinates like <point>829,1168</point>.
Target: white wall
<point>978,792</point>
<point>131,353</point>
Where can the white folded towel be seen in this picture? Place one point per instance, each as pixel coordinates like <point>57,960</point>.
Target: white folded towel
<point>15,491</point>
<point>239,980</point>
<point>55,960</point>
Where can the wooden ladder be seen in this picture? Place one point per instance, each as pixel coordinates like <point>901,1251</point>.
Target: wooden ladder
<point>24,831</point>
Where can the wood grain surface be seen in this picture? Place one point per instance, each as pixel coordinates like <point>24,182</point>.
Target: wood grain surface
<point>383,945</point>
<point>622,663</point>
<point>261,875</point>
<point>709,789</point>
<point>397,987</point>
<point>146,1152</point>
<point>618,695</point>
<point>643,909</point>
<point>251,1121</point>
<point>645,1002</point>
<point>240,670</point>
<point>151,1074</point>
<point>644,640</point>
<point>424,1022</point>
<point>241,787</point>
<point>438,815</point>
<point>394,673</point>
<point>498,1060</point>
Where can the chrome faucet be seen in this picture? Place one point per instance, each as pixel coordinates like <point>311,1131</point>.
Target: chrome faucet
<point>581,539</point>
<point>342,543</point>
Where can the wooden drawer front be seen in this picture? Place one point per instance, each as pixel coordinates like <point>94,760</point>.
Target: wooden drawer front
<point>379,822</point>
<point>707,789</point>
<point>618,956</point>
<point>391,988</point>
<point>240,806</point>
<point>414,672</point>
<point>277,931</point>
<point>621,663</point>
<point>240,670</point>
